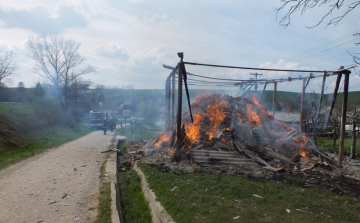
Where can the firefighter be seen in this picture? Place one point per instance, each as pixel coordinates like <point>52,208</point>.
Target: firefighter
<point>112,123</point>
<point>105,126</point>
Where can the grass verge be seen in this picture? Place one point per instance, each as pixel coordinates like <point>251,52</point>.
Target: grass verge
<point>135,207</point>
<point>213,197</point>
<point>40,141</point>
<point>104,208</point>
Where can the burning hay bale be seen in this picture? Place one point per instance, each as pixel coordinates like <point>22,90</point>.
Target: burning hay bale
<point>239,131</point>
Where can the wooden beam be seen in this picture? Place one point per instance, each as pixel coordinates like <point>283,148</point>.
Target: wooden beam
<point>301,128</point>
<point>263,91</point>
<point>173,101</point>
<point>179,111</point>
<point>317,114</point>
<point>168,104</point>
<point>274,99</point>
<point>343,118</point>
<point>337,84</point>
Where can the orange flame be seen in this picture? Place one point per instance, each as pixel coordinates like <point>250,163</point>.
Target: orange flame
<point>193,129</point>
<point>303,153</point>
<point>163,138</point>
<point>198,99</point>
<point>285,126</point>
<point>300,141</point>
<point>258,105</point>
<point>240,120</point>
<point>216,115</point>
<point>252,116</point>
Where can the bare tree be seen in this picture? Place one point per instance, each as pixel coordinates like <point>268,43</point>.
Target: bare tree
<point>338,8</point>
<point>58,60</point>
<point>8,67</point>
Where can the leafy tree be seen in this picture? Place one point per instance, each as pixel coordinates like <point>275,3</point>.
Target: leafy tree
<point>39,91</point>
<point>8,67</point>
<point>58,60</point>
<point>21,86</point>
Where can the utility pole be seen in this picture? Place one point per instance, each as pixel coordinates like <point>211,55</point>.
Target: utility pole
<point>256,74</point>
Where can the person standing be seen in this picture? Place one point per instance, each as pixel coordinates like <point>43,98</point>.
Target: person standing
<point>105,126</point>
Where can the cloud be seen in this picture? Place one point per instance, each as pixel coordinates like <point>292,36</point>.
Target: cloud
<point>113,50</point>
<point>39,19</point>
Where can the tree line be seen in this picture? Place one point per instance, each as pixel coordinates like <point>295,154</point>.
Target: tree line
<point>57,60</point>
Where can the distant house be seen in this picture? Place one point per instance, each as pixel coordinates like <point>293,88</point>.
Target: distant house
<point>125,109</point>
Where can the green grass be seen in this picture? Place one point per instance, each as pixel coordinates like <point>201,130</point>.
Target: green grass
<point>139,134</point>
<point>104,208</point>
<point>213,197</point>
<point>135,207</point>
<point>17,107</point>
<point>327,144</point>
<point>40,140</point>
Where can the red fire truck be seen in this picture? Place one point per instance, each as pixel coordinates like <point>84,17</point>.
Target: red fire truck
<point>97,118</point>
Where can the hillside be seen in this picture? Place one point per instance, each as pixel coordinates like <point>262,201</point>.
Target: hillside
<point>27,128</point>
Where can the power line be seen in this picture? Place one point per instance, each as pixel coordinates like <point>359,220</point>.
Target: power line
<point>252,68</point>
<point>322,48</point>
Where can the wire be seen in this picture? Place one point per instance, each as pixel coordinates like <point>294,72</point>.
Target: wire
<point>321,49</point>
<point>251,68</point>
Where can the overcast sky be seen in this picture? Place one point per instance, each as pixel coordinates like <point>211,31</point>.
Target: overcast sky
<point>127,41</point>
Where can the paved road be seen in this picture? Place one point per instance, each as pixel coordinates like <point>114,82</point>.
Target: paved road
<point>59,185</point>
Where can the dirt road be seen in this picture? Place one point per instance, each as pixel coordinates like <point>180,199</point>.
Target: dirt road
<point>60,185</point>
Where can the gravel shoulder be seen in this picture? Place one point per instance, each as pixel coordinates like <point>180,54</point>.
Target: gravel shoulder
<point>59,185</point>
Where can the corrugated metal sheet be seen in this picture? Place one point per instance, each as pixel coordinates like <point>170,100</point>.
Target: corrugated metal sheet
<point>210,157</point>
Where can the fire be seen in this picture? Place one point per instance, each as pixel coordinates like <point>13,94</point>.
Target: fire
<point>285,126</point>
<point>301,141</point>
<point>193,129</point>
<point>303,153</point>
<point>216,115</point>
<point>163,138</point>
<point>258,105</point>
<point>252,116</point>
<point>198,99</point>
<point>240,120</point>
<point>304,138</point>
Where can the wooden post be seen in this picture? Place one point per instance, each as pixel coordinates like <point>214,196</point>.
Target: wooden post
<point>263,91</point>
<point>173,102</point>
<point>343,117</point>
<point>301,128</point>
<point>337,84</point>
<point>179,111</point>
<point>274,99</point>
<point>321,97</point>
<point>353,142</point>
<point>335,134</point>
<point>168,105</point>
<point>317,116</point>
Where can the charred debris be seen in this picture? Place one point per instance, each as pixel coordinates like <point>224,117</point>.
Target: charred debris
<point>236,135</point>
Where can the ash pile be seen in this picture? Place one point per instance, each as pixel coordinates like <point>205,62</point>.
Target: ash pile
<point>237,133</point>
